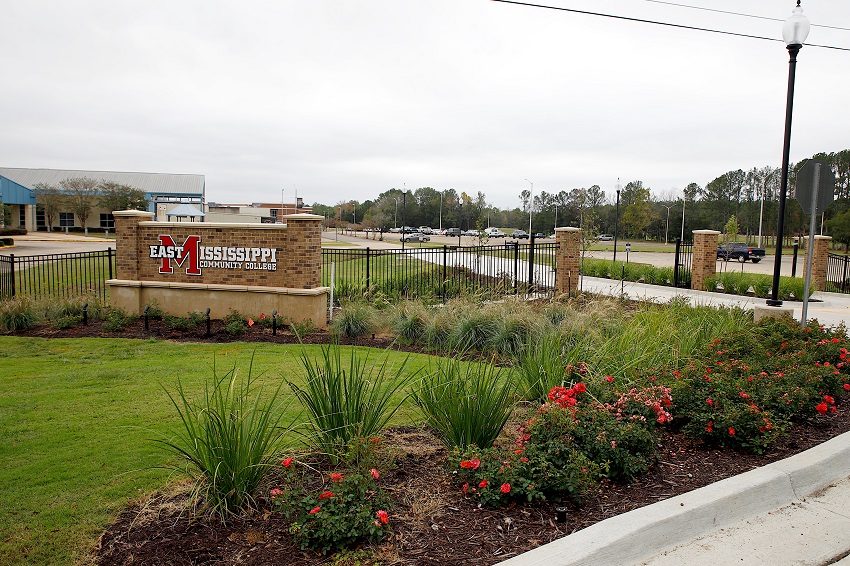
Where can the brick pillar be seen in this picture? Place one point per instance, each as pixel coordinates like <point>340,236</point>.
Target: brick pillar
<point>126,242</point>
<point>567,259</point>
<point>304,248</point>
<point>704,260</point>
<point>819,260</point>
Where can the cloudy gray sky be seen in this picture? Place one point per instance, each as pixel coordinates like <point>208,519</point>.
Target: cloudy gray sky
<point>344,99</point>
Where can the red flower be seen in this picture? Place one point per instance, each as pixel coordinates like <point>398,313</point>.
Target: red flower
<point>822,408</point>
<point>315,510</point>
<point>465,488</point>
<point>382,516</point>
<point>709,427</point>
<point>710,402</point>
<point>731,431</point>
<point>336,477</point>
<point>518,451</point>
<point>470,464</point>
<point>523,459</point>
<point>609,379</point>
<point>286,463</point>
<point>743,395</point>
<point>275,492</point>
<point>829,399</point>
<point>506,488</point>
<point>580,387</point>
<point>375,474</point>
<point>326,495</point>
<point>483,484</point>
<point>847,387</point>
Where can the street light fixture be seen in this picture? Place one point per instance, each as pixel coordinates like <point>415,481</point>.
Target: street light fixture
<point>794,32</point>
<point>616,218</point>
<point>667,227</point>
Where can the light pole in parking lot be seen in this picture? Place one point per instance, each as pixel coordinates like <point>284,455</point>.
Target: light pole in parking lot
<point>794,32</point>
<point>530,206</point>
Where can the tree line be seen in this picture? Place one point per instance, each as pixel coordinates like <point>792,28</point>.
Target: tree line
<point>750,195</point>
<point>80,195</point>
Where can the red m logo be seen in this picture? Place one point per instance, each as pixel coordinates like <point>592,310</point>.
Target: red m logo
<point>188,251</point>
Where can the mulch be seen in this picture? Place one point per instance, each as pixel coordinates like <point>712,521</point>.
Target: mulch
<point>433,523</point>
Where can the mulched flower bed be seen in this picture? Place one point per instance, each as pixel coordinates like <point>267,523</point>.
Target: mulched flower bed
<point>433,522</point>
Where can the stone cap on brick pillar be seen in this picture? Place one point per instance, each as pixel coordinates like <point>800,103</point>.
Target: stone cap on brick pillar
<point>708,232</point>
<point>818,237</point>
<point>301,216</point>
<point>139,213</point>
<point>567,229</point>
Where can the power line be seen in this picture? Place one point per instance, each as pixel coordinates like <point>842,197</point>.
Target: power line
<point>667,24</point>
<point>737,14</point>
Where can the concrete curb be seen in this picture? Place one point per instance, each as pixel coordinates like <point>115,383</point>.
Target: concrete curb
<point>640,534</point>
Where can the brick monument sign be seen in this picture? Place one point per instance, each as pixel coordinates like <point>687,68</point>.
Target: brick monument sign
<point>192,266</point>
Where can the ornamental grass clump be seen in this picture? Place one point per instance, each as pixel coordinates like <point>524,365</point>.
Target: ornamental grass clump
<point>19,313</point>
<point>467,404</point>
<point>540,365</point>
<point>347,399</point>
<point>355,320</point>
<point>226,439</point>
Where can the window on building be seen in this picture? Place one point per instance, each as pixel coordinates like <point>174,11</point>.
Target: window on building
<point>107,221</point>
<point>22,215</point>
<point>66,219</point>
<point>40,220</point>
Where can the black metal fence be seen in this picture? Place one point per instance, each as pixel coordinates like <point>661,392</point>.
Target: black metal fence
<point>441,272</point>
<point>682,264</point>
<point>838,273</point>
<point>57,275</point>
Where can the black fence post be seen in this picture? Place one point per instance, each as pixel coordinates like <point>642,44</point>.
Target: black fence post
<point>516,266</point>
<point>147,307</point>
<point>85,314</point>
<point>109,256</point>
<point>794,261</point>
<point>844,276</point>
<point>443,286</point>
<point>676,264</point>
<point>530,263</point>
<point>12,273</point>
<point>367,268</point>
<point>274,322</point>
<point>208,321</point>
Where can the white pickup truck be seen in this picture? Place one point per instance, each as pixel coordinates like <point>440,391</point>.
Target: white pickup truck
<point>494,233</point>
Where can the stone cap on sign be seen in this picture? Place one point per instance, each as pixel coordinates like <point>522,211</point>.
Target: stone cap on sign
<point>200,225</point>
<point>567,229</point>
<point>818,237</point>
<point>143,213</point>
<point>303,216</point>
<point>706,232</point>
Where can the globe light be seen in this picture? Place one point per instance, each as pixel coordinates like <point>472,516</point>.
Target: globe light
<point>795,30</point>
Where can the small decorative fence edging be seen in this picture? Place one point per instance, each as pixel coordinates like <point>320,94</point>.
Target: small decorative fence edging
<point>442,273</point>
<point>56,275</point>
<point>838,273</point>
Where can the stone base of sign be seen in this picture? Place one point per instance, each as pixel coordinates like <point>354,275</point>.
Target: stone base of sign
<point>178,299</point>
<point>765,311</point>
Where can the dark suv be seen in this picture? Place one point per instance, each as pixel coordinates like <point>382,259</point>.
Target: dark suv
<point>453,232</point>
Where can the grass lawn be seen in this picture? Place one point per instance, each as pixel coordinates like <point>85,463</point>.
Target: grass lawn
<point>76,419</point>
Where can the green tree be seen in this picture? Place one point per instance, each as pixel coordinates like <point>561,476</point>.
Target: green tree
<point>731,229</point>
<point>638,214</point>
<point>839,228</point>
<point>51,200</point>
<point>115,196</point>
<point>82,195</point>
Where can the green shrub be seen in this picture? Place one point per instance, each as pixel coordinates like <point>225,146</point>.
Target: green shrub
<point>355,320</point>
<point>184,323</point>
<point>116,319</point>
<point>467,404</point>
<point>226,438</point>
<point>303,328</point>
<point>155,312</point>
<point>351,509</point>
<point>408,321</point>
<point>68,321</point>
<point>347,401</point>
<point>235,323</point>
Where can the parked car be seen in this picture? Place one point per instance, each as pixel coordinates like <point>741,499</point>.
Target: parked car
<point>494,233</point>
<point>452,232</point>
<point>606,237</point>
<point>415,237</point>
<point>470,233</point>
<point>519,234</point>
<point>739,251</point>
<point>425,230</point>
<point>539,236</point>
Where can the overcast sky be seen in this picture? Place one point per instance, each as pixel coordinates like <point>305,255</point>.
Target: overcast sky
<point>344,99</point>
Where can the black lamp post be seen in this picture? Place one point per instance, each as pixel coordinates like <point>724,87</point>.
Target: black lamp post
<point>794,32</point>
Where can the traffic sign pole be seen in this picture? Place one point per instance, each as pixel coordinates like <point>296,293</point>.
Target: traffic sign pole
<point>811,247</point>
